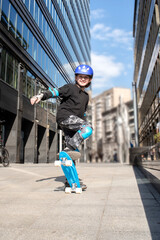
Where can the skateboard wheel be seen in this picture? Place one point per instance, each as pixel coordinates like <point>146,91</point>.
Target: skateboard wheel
<point>67,190</point>
<point>57,163</point>
<point>68,163</point>
<point>78,190</point>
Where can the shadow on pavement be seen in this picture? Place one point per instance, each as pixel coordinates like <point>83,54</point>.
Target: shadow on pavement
<point>61,179</point>
<point>57,179</point>
<point>151,203</point>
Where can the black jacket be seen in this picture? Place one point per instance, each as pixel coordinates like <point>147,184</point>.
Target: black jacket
<point>74,101</point>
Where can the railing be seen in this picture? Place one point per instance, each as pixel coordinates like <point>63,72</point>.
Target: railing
<point>149,157</point>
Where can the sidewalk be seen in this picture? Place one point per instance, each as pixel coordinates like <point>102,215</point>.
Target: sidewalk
<point>119,204</point>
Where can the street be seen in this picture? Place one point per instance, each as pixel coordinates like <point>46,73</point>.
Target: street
<point>119,204</point>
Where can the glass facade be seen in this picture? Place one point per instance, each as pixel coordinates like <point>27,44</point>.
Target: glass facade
<point>9,70</point>
<point>9,74</point>
<point>147,74</point>
<point>41,44</point>
<point>65,29</point>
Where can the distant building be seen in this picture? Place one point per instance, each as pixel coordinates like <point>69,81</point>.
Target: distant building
<point>41,43</point>
<point>104,117</point>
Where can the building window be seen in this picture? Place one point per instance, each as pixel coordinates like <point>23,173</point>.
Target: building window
<point>15,73</point>
<point>5,8</point>
<point>9,76</point>
<point>30,43</point>
<point>9,72</point>
<point>12,21</point>
<point>108,102</point>
<point>3,64</point>
<point>108,125</point>
<point>98,110</point>
<point>25,36</point>
<point>19,30</point>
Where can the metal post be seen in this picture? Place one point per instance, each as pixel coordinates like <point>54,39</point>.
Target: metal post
<point>35,128</point>
<point>19,112</point>
<point>134,88</point>
<point>60,140</point>
<point>47,135</point>
<point>85,149</point>
<point>1,48</point>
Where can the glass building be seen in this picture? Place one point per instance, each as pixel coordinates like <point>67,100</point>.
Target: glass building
<point>147,68</point>
<point>41,44</point>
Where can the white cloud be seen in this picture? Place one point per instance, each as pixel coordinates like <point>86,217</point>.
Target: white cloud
<point>105,69</point>
<point>97,14</point>
<point>116,36</point>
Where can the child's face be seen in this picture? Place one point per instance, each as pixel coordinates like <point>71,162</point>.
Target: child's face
<point>83,80</point>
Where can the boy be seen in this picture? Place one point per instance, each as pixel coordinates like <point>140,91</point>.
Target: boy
<point>71,112</point>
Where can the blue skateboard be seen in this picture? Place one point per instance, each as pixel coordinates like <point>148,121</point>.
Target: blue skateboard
<point>69,169</point>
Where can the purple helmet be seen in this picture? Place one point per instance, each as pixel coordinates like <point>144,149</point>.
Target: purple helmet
<point>84,69</point>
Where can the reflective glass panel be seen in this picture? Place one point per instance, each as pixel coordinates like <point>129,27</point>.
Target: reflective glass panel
<point>39,55</point>
<point>40,20</point>
<point>12,21</point>
<point>43,59</point>
<point>25,36</point>
<point>15,73</point>
<point>27,3</point>
<point>9,76</point>
<point>35,49</point>
<point>3,64</point>
<point>30,43</point>
<point>19,29</point>
<point>32,7</point>
<point>5,8</point>
<point>36,13</point>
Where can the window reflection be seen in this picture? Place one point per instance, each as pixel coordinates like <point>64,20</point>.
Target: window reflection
<point>40,20</point>
<point>9,72</point>
<point>39,55</point>
<point>27,3</point>
<point>32,7</point>
<point>37,10</point>
<point>12,21</point>
<point>19,30</point>
<point>26,39</point>
<point>15,73</point>
<point>30,43</point>
<point>4,17</point>
<point>3,55</point>
<point>34,49</point>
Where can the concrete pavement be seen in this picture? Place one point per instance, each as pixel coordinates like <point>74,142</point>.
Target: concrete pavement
<point>119,204</point>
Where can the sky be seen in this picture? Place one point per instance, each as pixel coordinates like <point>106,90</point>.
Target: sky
<point>111,44</point>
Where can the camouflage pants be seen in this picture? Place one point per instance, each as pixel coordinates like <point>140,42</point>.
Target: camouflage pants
<point>70,127</point>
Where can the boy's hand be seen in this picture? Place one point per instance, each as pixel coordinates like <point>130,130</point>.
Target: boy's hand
<point>36,99</point>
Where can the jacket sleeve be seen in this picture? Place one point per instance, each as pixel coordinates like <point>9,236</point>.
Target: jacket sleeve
<point>51,93</point>
<point>62,92</point>
<point>46,95</point>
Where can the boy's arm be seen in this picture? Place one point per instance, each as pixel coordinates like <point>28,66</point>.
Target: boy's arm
<point>51,93</point>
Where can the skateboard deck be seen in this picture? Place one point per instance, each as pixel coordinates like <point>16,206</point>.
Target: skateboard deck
<point>70,172</point>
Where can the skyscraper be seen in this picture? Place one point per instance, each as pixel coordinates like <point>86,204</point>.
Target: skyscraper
<point>41,43</point>
<point>147,68</point>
